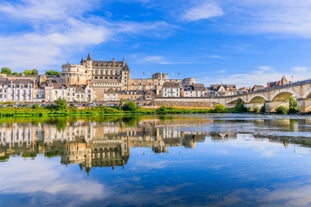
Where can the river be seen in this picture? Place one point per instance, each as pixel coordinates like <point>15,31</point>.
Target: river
<point>181,160</point>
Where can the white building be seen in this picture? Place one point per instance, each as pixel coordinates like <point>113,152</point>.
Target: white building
<point>171,89</point>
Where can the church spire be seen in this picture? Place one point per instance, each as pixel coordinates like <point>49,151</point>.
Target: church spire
<point>89,57</point>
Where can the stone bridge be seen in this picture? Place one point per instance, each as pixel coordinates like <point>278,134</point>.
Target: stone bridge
<point>275,97</point>
<point>271,98</point>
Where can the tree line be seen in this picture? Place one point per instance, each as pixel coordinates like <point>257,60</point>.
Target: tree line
<point>27,72</point>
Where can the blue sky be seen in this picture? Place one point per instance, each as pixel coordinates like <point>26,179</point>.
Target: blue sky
<point>239,42</point>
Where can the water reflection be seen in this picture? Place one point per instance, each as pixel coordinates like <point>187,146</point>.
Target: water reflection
<point>107,144</point>
<point>203,160</point>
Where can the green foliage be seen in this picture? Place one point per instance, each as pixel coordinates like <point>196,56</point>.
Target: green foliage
<point>130,106</point>
<point>131,120</point>
<point>239,106</point>
<point>219,108</point>
<point>293,107</point>
<point>255,110</point>
<point>17,74</point>
<point>34,72</point>
<point>120,104</point>
<point>61,104</point>
<point>162,110</point>
<point>51,154</point>
<point>52,72</point>
<point>6,70</point>
<point>263,108</point>
<point>35,106</point>
<point>281,110</point>
<point>27,72</point>
<point>29,154</point>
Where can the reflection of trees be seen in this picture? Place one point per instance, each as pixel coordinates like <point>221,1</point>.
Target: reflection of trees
<point>29,155</point>
<point>293,125</point>
<point>60,123</point>
<point>130,120</point>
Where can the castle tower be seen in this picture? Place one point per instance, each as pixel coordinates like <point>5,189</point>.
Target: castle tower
<point>89,66</point>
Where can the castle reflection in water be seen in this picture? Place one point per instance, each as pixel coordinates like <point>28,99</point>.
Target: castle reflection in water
<point>93,144</point>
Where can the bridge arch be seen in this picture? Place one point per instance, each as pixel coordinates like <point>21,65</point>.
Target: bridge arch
<point>307,94</point>
<point>257,99</point>
<point>233,101</point>
<point>284,95</point>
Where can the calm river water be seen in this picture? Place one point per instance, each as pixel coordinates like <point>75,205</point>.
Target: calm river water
<point>190,160</point>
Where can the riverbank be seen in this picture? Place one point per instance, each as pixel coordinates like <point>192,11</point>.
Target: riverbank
<point>98,111</point>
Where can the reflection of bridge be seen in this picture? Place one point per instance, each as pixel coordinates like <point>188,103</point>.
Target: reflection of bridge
<point>270,97</point>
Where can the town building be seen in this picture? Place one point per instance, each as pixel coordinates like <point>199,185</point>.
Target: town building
<point>281,82</point>
<point>171,89</point>
<point>223,89</point>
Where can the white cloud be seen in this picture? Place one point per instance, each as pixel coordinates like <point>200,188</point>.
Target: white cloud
<point>262,76</point>
<point>155,59</point>
<point>265,68</point>
<point>60,29</point>
<point>217,57</point>
<point>44,10</point>
<point>288,17</point>
<point>42,50</point>
<point>203,11</point>
<point>300,69</point>
<point>158,29</point>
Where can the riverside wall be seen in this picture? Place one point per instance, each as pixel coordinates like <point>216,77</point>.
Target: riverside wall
<point>185,102</point>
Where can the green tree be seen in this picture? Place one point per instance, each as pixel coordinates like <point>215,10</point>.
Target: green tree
<point>34,72</point>
<point>61,104</point>
<point>293,107</point>
<point>6,70</point>
<point>120,104</point>
<point>219,108</point>
<point>52,72</point>
<point>239,106</point>
<point>129,106</point>
<point>27,72</point>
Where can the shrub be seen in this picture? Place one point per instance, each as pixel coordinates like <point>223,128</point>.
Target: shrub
<point>239,106</point>
<point>35,106</point>
<point>219,108</point>
<point>263,109</point>
<point>129,106</point>
<point>282,110</point>
<point>293,107</point>
<point>255,110</point>
<point>61,104</point>
<point>161,110</point>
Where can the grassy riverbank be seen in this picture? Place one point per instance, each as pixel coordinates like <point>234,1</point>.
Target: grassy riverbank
<point>96,111</point>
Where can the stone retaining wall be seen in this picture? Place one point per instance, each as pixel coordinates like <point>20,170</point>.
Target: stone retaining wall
<point>185,102</point>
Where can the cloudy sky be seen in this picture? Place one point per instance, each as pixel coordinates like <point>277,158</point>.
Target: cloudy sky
<point>215,41</point>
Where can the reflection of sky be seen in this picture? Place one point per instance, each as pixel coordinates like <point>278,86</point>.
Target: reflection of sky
<point>44,179</point>
<point>244,171</point>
